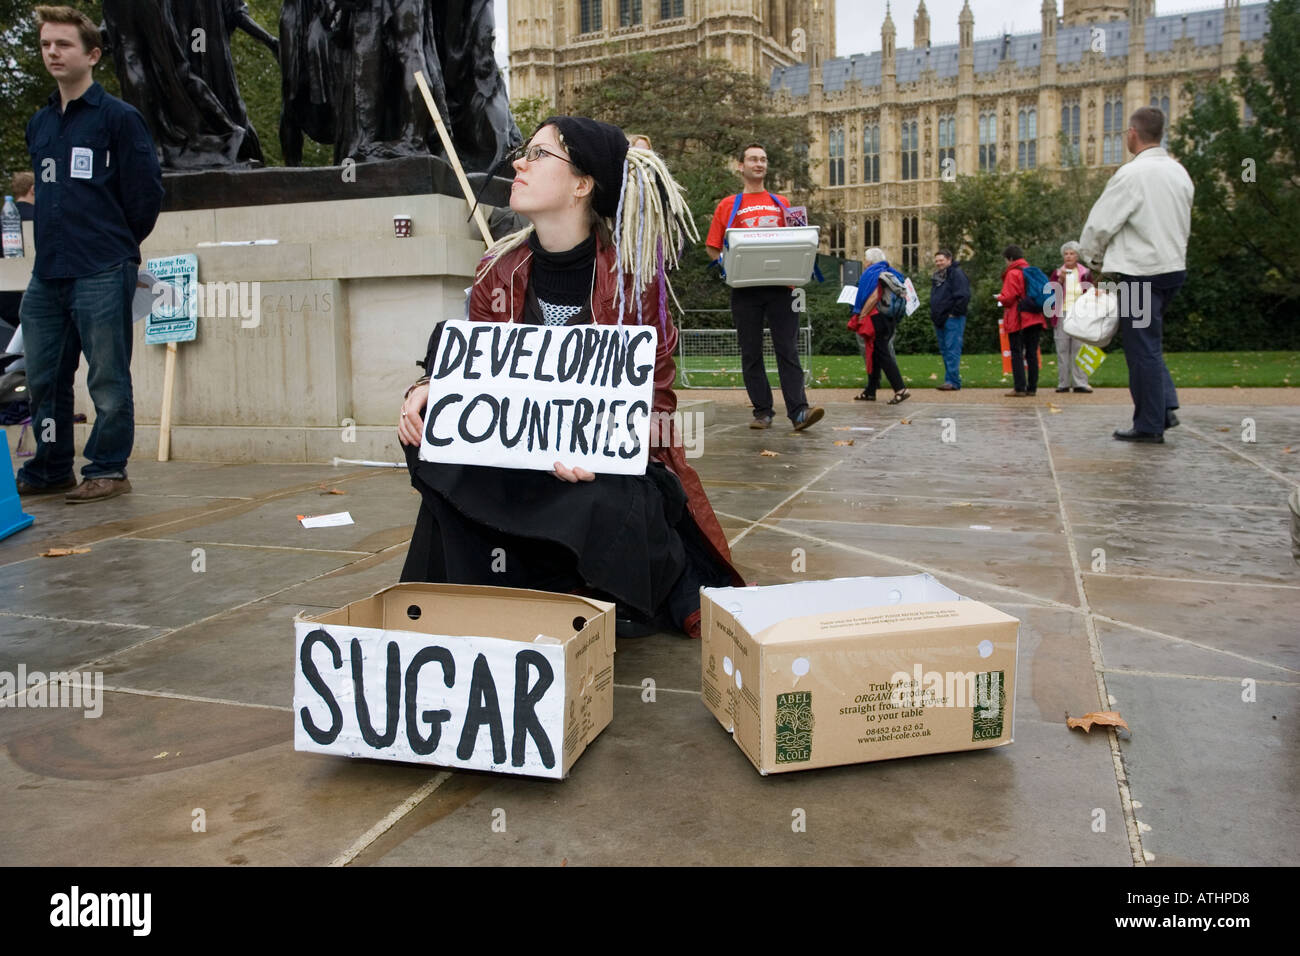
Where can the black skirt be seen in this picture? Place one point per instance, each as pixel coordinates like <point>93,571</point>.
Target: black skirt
<point>627,539</point>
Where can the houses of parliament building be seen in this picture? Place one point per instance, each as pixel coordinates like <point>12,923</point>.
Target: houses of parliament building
<point>890,126</point>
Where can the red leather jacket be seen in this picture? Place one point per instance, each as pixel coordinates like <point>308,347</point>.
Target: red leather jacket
<point>510,273</point>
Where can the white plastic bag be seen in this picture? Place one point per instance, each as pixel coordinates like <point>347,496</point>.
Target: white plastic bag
<point>1094,317</point>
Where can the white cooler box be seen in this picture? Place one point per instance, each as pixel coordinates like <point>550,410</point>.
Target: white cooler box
<point>783,256</point>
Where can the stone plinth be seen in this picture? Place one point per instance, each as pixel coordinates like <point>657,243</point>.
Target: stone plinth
<point>343,311</point>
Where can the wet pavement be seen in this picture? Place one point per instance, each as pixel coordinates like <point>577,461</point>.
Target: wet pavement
<point>1152,580</point>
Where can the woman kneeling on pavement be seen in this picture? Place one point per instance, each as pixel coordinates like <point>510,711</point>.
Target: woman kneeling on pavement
<point>604,222</point>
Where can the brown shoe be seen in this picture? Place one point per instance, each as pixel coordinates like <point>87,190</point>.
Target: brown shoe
<point>808,417</point>
<point>97,489</point>
<point>1015,394</point>
<point>764,422</point>
<point>25,490</point>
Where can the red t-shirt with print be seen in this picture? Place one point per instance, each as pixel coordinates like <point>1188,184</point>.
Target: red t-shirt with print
<point>757,211</point>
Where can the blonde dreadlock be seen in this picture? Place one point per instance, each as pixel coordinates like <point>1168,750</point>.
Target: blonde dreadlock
<point>649,231</point>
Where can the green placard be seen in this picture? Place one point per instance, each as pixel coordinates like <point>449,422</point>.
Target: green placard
<point>989,705</point>
<point>794,727</point>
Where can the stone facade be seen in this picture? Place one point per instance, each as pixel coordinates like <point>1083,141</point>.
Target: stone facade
<point>888,127</point>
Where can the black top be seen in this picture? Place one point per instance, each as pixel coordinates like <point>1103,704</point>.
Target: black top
<point>562,281</point>
<point>98,184</point>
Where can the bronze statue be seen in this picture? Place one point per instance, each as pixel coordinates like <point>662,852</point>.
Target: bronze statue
<point>189,125</point>
<point>310,74</point>
<point>205,28</point>
<point>480,122</point>
<point>349,77</point>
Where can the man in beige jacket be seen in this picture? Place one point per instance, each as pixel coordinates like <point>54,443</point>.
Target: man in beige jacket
<point>1137,233</point>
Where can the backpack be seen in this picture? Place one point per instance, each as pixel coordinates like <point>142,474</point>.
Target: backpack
<point>893,297</point>
<point>1037,290</point>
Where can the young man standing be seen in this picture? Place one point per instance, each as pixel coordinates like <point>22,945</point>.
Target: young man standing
<point>98,194</point>
<point>1140,227</point>
<point>760,209</point>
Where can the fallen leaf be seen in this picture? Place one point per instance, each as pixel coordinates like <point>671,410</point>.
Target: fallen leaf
<point>843,428</point>
<point>904,421</point>
<point>1054,409</point>
<point>770,454</point>
<point>333,491</point>
<point>933,376</point>
<point>849,441</point>
<point>163,754</point>
<point>1286,450</point>
<point>962,504</point>
<point>63,552</point>
<point>1105,718</point>
<point>1225,428</point>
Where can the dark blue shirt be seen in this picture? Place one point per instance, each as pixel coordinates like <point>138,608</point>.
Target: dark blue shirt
<point>98,184</point>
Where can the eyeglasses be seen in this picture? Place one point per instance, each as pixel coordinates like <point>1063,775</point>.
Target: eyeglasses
<point>531,154</point>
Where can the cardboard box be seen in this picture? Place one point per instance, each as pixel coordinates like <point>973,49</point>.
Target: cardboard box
<point>480,678</point>
<point>851,670</point>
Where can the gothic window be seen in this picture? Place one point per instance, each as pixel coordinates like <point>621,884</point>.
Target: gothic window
<point>911,243</point>
<point>629,13</point>
<point>837,240</point>
<point>836,141</point>
<point>1027,154</point>
<point>1113,125</point>
<point>871,233</point>
<point>909,151</point>
<point>1160,101</point>
<point>871,154</point>
<point>671,8</point>
<point>988,141</point>
<point>1070,130</point>
<point>589,16</point>
<point>947,143</point>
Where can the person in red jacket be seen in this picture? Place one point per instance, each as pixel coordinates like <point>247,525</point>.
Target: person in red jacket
<point>1023,328</point>
<point>647,542</point>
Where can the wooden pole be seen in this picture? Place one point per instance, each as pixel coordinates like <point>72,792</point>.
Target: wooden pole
<point>451,152</point>
<point>165,420</point>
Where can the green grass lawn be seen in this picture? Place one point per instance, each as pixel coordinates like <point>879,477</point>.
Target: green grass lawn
<point>1191,369</point>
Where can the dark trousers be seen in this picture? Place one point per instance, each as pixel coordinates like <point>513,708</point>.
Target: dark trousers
<point>882,356</point>
<point>1024,358</point>
<point>1142,302</point>
<point>750,307</point>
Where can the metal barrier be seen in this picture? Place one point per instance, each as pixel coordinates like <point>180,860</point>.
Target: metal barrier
<point>713,352</point>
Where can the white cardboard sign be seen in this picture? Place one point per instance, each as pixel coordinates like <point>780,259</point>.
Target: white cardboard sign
<point>481,703</point>
<point>913,300</point>
<point>511,395</point>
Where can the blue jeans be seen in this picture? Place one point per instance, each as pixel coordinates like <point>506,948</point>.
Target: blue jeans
<point>61,318</point>
<point>950,336</point>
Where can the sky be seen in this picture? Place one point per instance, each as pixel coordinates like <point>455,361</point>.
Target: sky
<point>857,22</point>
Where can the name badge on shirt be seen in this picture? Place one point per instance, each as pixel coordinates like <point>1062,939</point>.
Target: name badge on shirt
<point>83,162</point>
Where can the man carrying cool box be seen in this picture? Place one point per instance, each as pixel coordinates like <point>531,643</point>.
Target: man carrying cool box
<point>760,209</point>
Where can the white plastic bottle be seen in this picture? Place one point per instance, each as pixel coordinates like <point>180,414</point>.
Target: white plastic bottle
<point>11,224</point>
